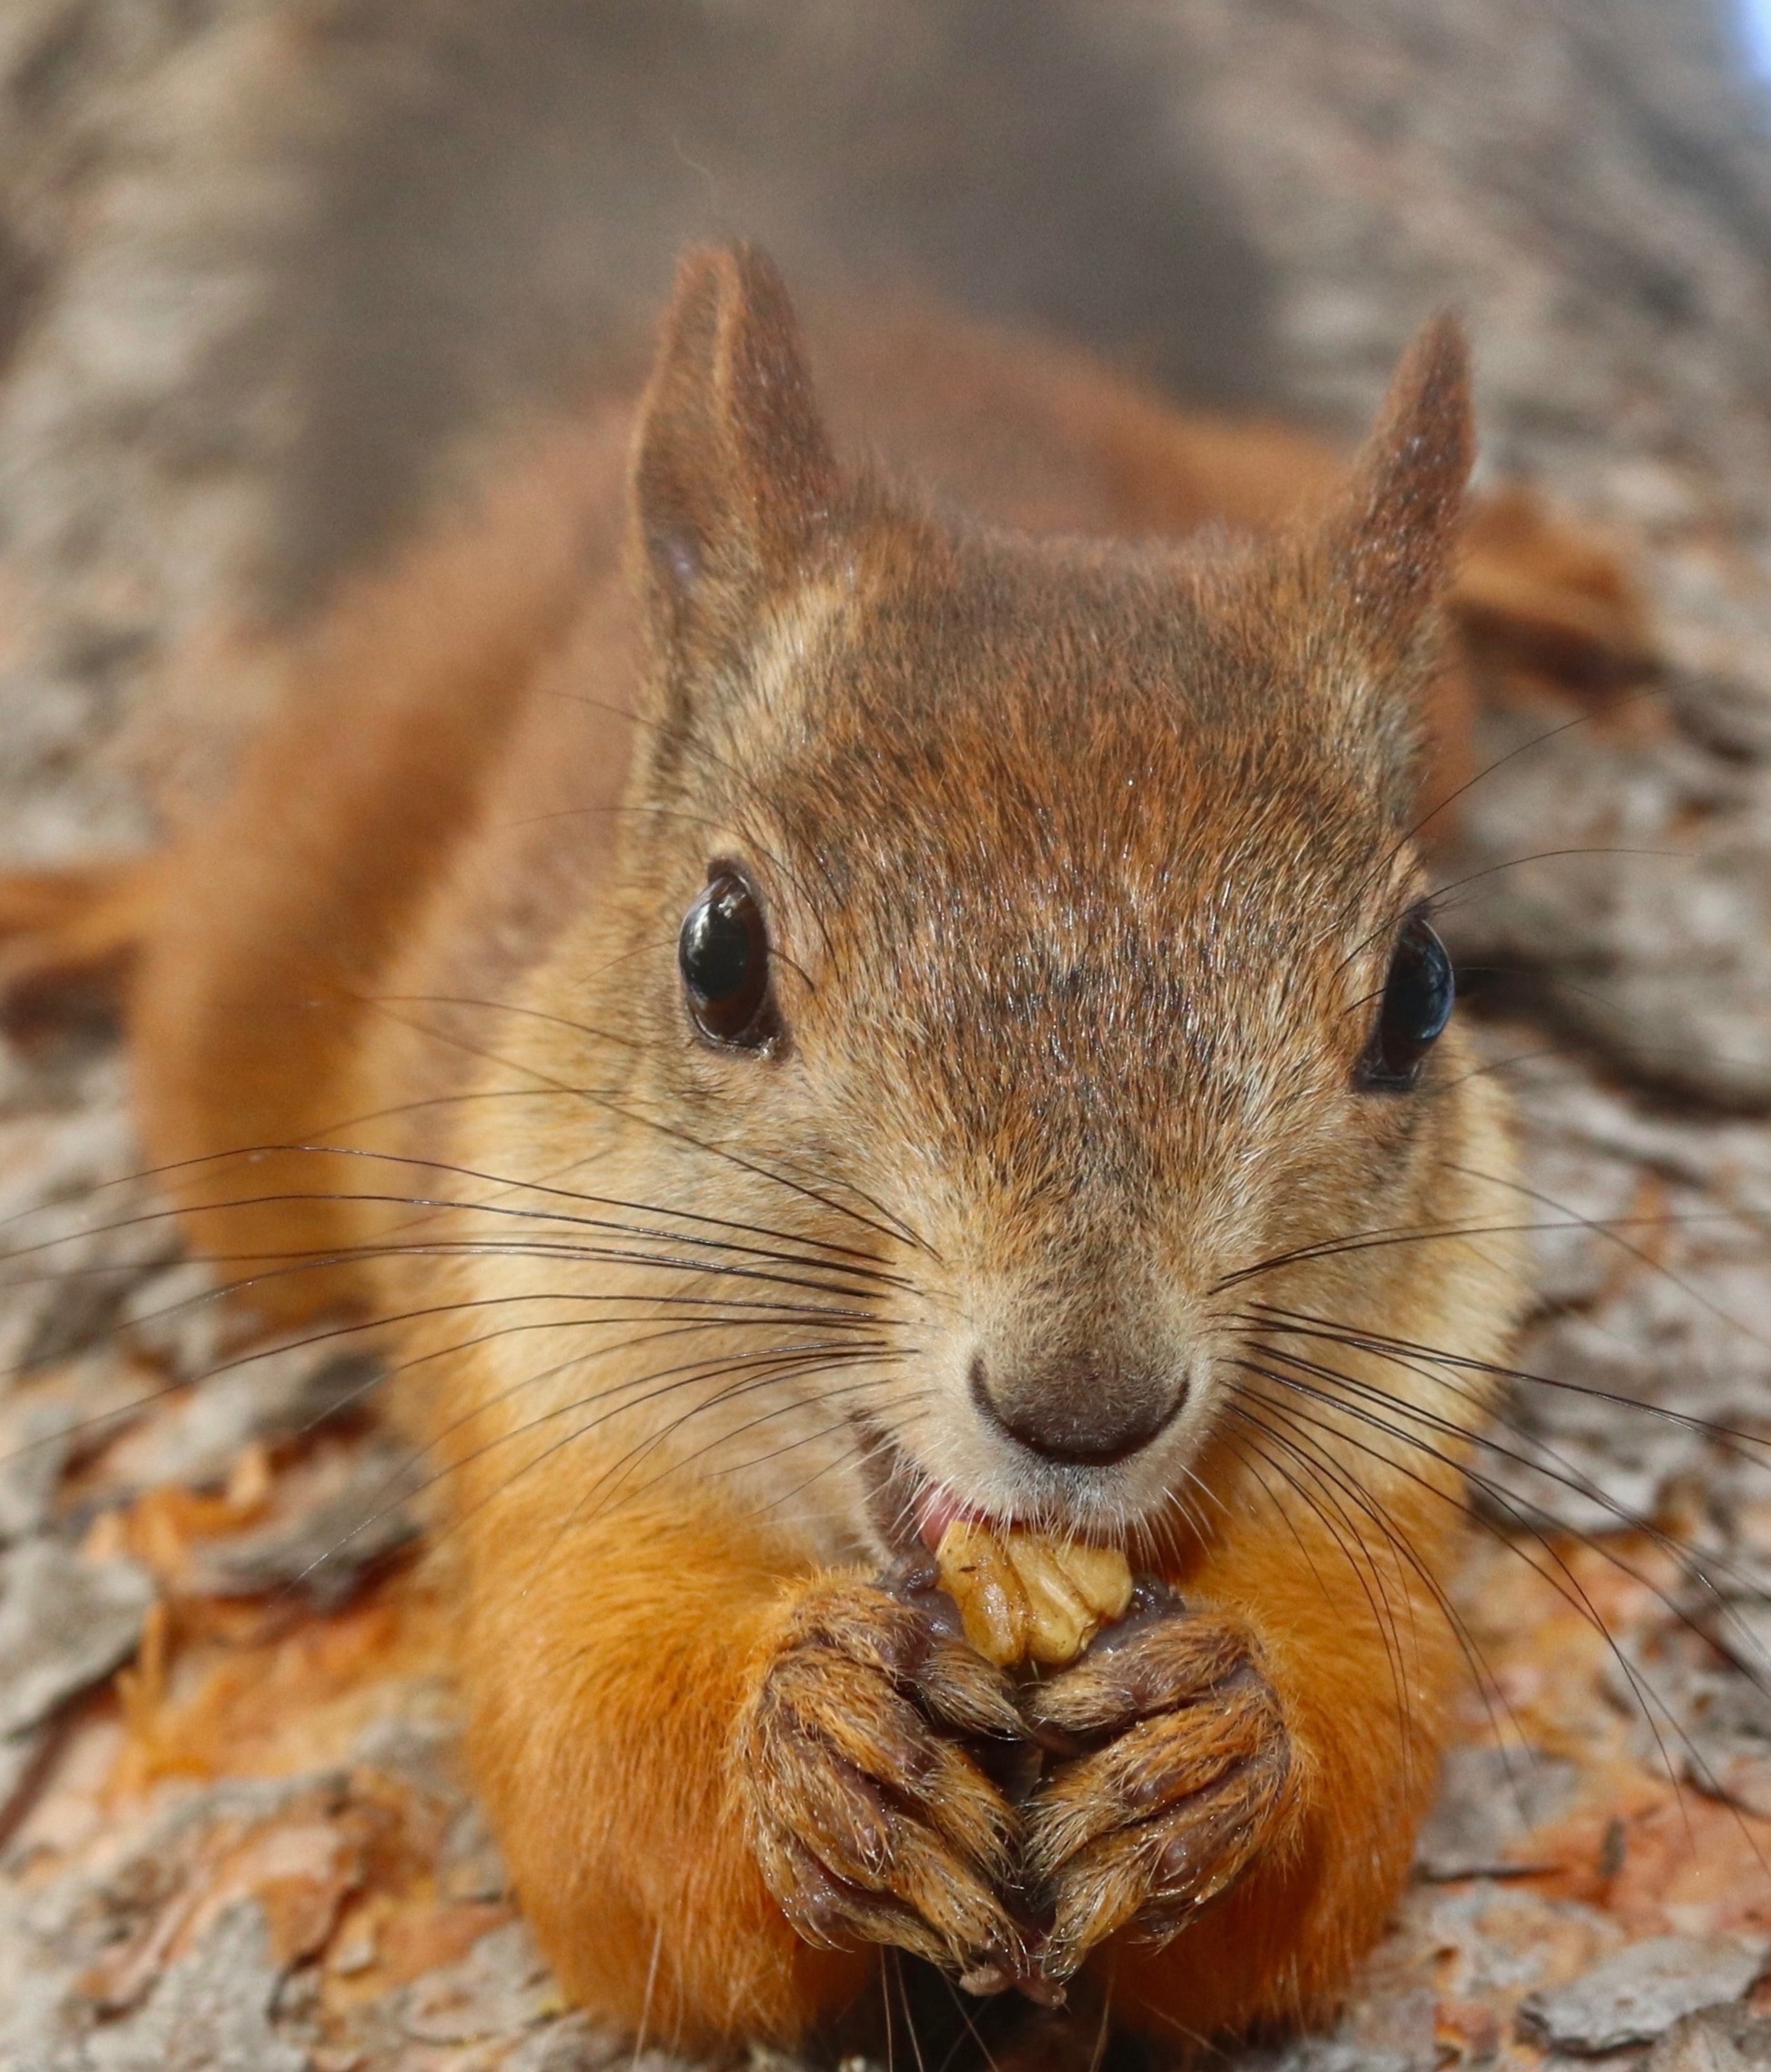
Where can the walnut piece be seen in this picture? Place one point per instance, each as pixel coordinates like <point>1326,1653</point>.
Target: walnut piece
<point>1027,1597</point>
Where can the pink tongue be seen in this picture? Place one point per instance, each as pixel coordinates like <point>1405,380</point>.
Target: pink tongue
<point>935,1511</point>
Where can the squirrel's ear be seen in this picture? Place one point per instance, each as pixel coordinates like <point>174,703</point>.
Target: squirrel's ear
<point>734,472</point>
<point>1392,538</point>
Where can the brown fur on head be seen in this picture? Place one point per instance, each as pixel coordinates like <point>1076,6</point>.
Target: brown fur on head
<point>1081,868</point>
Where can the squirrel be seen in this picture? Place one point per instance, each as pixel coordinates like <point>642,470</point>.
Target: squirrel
<point>815,1000</point>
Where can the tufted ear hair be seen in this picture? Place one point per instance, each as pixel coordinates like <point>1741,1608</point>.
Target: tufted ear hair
<point>733,472</point>
<point>1392,538</point>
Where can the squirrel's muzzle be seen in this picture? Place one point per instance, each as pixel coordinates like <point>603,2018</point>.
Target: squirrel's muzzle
<point>1078,1405</point>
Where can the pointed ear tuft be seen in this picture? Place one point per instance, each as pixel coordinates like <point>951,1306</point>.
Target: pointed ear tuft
<point>735,471</point>
<point>1392,539</point>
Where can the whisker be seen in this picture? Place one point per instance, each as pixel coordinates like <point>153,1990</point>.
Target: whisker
<point>1381,1237</point>
<point>1364,1572</point>
<point>864,1266</point>
<point>892,1228</point>
<point>868,1448</point>
<point>1520,1511</point>
<point>1575,1481</point>
<point>850,1356</point>
<point>1377,1341</point>
<point>719,1316</point>
<point>1609,1229</point>
<point>670,1379</point>
<point>1550,855</point>
<point>1564,1475</point>
<point>620,1469</point>
<point>1385,864</point>
<point>1486,1683</point>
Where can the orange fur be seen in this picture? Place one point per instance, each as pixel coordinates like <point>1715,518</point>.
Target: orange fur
<point>1365,1662</point>
<point>408,982</point>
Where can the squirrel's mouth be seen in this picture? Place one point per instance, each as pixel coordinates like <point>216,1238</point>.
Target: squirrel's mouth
<point>909,1510</point>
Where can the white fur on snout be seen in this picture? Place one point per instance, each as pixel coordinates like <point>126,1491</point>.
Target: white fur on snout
<point>984,1470</point>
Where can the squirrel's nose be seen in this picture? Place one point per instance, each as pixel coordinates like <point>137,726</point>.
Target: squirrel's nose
<point>1077,1407</point>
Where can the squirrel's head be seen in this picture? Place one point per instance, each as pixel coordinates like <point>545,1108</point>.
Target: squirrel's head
<point>1025,988</point>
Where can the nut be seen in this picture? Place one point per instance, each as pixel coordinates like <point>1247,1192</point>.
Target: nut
<point>1027,1597</point>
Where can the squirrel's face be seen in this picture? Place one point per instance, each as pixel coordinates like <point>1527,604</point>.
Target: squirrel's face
<point>1085,977</point>
<point>1026,943</point>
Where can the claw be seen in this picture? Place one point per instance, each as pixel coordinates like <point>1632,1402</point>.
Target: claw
<point>869,1819</point>
<point>1179,1788</point>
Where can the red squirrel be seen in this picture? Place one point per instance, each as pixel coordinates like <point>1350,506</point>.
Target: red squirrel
<point>818,1000</point>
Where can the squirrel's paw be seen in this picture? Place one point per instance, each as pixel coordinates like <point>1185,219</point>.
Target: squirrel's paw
<point>868,1818</point>
<point>1173,1780</point>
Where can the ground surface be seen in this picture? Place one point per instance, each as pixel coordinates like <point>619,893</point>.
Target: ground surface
<point>234,1832</point>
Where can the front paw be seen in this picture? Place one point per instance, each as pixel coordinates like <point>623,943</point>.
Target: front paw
<point>868,1818</point>
<point>1177,1778</point>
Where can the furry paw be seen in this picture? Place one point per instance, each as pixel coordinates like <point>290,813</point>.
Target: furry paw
<point>1171,1779</point>
<point>868,1816</point>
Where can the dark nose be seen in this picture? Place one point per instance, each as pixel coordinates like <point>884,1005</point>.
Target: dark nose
<point>1077,1407</point>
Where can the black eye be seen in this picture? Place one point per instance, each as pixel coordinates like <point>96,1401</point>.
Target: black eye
<point>1417,1004</point>
<point>724,955</point>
